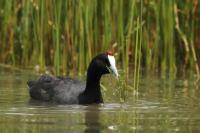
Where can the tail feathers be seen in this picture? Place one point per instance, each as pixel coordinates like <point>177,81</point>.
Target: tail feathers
<point>38,90</point>
<point>30,84</point>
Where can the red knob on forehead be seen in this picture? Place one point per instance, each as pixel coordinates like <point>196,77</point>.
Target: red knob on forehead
<point>109,53</point>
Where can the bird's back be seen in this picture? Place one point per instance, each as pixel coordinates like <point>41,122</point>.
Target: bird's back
<point>56,89</point>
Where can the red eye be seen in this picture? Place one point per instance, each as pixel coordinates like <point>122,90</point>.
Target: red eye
<point>109,53</point>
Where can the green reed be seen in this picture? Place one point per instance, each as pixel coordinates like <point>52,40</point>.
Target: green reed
<point>65,35</point>
<point>140,46</point>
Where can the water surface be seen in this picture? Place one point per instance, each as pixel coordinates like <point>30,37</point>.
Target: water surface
<point>162,106</point>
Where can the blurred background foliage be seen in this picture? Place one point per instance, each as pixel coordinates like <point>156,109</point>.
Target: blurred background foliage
<point>62,36</point>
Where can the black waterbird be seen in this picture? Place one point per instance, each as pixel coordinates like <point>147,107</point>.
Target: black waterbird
<point>65,90</point>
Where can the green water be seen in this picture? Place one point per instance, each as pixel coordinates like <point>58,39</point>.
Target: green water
<point>162,106</point>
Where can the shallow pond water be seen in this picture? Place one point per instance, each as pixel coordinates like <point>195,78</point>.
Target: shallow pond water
<point>162,106</point>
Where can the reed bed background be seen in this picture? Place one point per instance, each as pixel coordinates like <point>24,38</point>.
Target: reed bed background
<point>159,36</point>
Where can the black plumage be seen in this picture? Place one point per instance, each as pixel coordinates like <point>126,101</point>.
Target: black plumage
<point>65,90</point>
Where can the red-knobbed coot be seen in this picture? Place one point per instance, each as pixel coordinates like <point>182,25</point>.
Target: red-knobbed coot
<point>65,90</point>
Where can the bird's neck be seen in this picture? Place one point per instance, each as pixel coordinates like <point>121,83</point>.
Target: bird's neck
<point>92,89</point>
<point>93,78</point>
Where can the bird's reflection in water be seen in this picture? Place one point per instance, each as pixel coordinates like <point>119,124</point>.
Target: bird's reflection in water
<point>92,119</point>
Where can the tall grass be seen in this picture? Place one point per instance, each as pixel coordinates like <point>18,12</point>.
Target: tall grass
<point>67,34</point>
